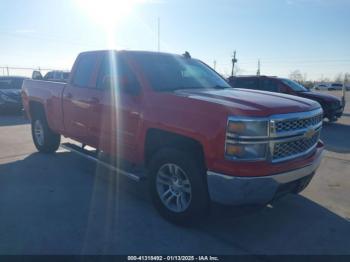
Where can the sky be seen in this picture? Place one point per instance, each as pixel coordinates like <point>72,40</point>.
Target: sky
<point>312,36</point>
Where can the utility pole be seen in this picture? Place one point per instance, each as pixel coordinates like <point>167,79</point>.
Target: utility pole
<point>258,72</point>
<point>158,34</point>
<point>344,89</point>
<point>234,60</point>
<point>8,72</point>
<point>214,64</point>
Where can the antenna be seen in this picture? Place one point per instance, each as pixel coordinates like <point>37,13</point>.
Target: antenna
<point>158,34</point>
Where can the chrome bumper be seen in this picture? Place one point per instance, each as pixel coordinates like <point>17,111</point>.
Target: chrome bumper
<point>255,190</point>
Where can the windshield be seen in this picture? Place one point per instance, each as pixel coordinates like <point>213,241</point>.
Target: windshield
<point>65,76</point>
<point>295,86</point>
<point>11,83</point>
<point>171,72</point>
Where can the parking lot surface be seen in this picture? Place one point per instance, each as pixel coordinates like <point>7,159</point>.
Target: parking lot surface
<point>64,204</point>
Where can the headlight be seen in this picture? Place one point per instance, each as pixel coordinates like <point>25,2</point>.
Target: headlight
<point>243,139</point>
<point>247,128</point>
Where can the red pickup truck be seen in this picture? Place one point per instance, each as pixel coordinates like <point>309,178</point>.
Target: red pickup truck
<point>174,120</point>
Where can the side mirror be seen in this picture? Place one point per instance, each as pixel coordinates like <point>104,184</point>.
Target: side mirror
<point>123,82</point>
<point>36,75</point>
<point>108,82</point>
<point>283,89</point>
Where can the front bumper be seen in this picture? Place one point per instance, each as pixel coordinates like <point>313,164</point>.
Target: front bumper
<point>334,112</point>
<point>235,190</point>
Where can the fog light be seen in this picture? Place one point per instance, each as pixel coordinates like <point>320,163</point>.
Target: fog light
<point>234,150</point>
<point>246,151</point>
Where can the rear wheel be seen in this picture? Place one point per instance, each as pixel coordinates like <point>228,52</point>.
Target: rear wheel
<point>45,140</point>
<point>178,187</point>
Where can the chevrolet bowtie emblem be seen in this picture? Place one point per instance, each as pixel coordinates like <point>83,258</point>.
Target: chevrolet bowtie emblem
<point>309,133</point>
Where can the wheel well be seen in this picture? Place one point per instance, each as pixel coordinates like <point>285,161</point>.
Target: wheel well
<point>36,108</point>
<point>157,139</point>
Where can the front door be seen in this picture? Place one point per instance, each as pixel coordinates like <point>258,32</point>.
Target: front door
<point>115,117</point>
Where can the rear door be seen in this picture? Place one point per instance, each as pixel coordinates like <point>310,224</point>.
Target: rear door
<point>78,97</point>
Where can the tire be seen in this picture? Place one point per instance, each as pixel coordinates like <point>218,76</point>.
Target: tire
<point>45,140</point>
<point>332,119</point>
<point>186,192</point>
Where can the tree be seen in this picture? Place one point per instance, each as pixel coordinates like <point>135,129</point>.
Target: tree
<point>296,75</point>
<point>323,79</point>
<point>339,78</point>
<point>346,77</point>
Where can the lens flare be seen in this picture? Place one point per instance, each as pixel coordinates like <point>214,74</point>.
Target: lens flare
<point>107,13</point>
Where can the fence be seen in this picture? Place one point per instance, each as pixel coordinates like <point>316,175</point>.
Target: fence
<point>23,71</point>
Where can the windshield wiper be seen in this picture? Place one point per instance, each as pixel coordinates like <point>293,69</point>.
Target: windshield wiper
<point>220,87</point>
<point>200,87</point>
<point>187,87</point>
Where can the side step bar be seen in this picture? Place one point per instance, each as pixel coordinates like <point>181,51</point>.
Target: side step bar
<point>93,156</point>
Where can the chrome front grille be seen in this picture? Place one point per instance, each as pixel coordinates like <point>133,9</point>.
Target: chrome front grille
<point>283,150</point>
<point>295,134</point>
<point>296,124</point>
<point>289,135</point>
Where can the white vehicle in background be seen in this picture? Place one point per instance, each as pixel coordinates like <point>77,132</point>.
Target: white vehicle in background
<point>329,86</point>
<point>55,76</point>
<point>321,87</point>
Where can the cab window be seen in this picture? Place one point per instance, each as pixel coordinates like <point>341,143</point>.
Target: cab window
<point>84,70</point>
<point>268,85</point>
<point>248,83</point>
<point>116,73</point>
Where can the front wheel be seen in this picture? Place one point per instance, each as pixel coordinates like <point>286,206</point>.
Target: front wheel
<point>45,140</point>
<point>178,186</point>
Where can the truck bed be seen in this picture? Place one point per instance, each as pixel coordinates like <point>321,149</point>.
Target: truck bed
<point>48,94</point>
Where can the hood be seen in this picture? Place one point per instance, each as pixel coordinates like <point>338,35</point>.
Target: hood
<point>319,96</point>
<point>12,93</point>
<point>251,102</point>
